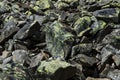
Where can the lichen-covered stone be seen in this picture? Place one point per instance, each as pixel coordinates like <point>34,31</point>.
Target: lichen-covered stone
<point>51,66</point>
<point>56,35</point>
<point>82,23</point>
<point>43,4</point>
<point>61,5</point>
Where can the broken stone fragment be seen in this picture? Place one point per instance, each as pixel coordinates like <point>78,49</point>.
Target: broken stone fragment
<point>72,17</point>
<point>106,53</point>
<point>82,23</point>
<point>9,29</point>
<point>113,38</point>
<point>60,70</point>
<point>19,56</point>
<point>51,66</point>
<point>108,14</point>
<point>43,5</point>
<point>116,59</point>
<point>85,60</point>
<point>38,58</point>
<point>114,74</point>
<point>90,78</point>
<point>56,35</point>
<point>82,48</point>
<point>27,30</point>
<point>61,5</point>
<point>69,1</point>
<point>97,25</point>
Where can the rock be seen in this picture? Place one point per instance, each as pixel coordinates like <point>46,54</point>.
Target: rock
<point>27,30</point>
<point>80,49</point>
<point>114,75</point>
<point>5,54</point>
<point>19,56</point>
<point>43,5</point>
<point>56,36</point>
<point>116,60</point>
<point>63,68</point>
<point>59,39</point>
<point>107,52</point>
<point>97,25</point>
<point>9,29</point>
<point>81,24</point>
<point>6,60</point>
<point>50,67</point>
<point>1,49</point>
<point>61,5</point>
<point>38,58</point>
<point>109,14</point>
<point>85,60</point>
<point>69,1</point>
<point>90,78</point>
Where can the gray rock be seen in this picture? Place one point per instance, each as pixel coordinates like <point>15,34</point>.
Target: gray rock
<point>109,14</point>
<point>9,29</point>
<point>27,30</point>
<point>114,75</point>
<point>19,56</point>
<point>85,60</point>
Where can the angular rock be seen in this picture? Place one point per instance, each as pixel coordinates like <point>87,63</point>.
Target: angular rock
<point>27,31</point>
<point>50,67</point>
<point>61,5</point>
<point>85,60</point>
<point>97,25</point>
<point>43,5</point>
<point>109,14</point>
<point>90,78</point>
<point>106,53</point>
<point>56,36</point>
<point>114,75</point>
<point>82,48</point>
<point>38,58</point>
<point>19,56</point>
<point>9,29</point>
<point>116,60</point>
<point>82,23</point>
<point>56,67</point>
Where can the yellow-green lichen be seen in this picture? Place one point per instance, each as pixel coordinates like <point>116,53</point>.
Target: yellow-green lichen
<point>51,66</point>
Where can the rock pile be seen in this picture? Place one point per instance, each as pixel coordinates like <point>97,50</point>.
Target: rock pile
<point>59,40</point>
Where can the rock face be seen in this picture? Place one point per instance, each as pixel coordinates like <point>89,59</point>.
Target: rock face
<point>59,39</point>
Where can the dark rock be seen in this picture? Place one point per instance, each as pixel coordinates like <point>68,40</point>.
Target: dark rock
<point>110,14</point>
<point>85,60</point>
<point>82,48</point>
<point>9,29</point>
<point>27,30</point>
